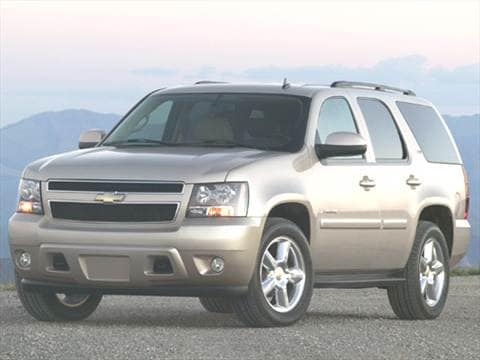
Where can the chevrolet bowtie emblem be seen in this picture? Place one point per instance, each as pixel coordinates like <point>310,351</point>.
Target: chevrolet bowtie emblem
<point>110,198</point>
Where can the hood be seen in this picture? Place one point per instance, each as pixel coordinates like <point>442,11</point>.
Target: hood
<point>187,164</point>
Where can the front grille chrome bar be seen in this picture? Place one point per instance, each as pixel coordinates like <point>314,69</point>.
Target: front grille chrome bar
<point>116,186</point>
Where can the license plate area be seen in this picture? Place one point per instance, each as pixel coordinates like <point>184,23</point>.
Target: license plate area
<point>105,268</point>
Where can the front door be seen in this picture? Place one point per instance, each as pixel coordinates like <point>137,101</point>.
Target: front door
<point>346,199</point>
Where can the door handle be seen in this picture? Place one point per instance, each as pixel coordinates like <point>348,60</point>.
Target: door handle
<point>413,181</point>
<point>367,183</point>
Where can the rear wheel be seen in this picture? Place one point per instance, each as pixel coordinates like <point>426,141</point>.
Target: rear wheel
<point>282,284</point>
<point>217,305</point>
<point>424,293</point>
<point>49,306</point>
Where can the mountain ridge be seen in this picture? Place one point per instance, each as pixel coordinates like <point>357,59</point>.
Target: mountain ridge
<point>57,112</point>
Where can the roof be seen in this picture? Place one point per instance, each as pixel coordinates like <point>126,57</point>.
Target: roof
<point>307,90</point>
<point>242,88</point>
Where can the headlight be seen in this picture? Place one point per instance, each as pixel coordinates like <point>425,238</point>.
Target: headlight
<point>30,197</point>
<point>222,199</point>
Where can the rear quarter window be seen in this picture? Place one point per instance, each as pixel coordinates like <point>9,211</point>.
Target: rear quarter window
<point>430,133</point>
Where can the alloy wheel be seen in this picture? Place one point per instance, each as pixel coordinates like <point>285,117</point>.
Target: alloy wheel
<point>282,274</point>
<point>72,300</point>
<point>432,272</point>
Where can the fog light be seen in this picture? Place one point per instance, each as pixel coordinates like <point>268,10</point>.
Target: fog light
<point>217,264</point>
<point>24,260</point>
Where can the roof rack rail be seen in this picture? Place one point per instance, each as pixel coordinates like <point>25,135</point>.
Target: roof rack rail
<point>315,84</point>
<point>373,86</point>
<point>204,82</point>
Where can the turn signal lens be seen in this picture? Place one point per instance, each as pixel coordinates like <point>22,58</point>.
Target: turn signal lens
<point>220,211</point>
<point>25,207</point>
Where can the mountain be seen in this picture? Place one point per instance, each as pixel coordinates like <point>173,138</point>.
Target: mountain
<point>37,136</point>
<point>54,132</point>
<point>47,133</point>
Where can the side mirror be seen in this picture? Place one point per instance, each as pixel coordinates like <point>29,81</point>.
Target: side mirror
<point>90,138</point>
<point>341,144</point>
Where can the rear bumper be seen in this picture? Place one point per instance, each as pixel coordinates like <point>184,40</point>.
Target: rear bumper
<point>461,239</point>
<point>121,261</point>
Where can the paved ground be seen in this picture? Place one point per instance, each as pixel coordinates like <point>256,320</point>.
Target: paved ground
<point>340,324</point>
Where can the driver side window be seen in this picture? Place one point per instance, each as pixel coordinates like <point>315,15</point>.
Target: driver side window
<point>335,115</point>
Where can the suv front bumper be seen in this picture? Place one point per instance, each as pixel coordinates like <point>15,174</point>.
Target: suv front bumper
<point>109,260</point>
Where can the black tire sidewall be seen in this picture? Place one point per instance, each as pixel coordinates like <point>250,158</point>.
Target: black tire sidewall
<point>220,305</point>
<point>45,305</point>
<point>64,312</point>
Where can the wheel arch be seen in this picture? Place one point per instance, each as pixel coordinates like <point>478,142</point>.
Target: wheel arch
<point>441,214</point>
<point>298,211</point>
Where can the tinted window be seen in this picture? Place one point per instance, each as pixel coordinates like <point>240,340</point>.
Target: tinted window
<point>273,122</point>
<point>430,133</point>
<point>335,115</point>
<point>386,141</point>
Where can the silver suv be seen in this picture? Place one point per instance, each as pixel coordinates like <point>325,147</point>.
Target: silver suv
<point>248,197</point>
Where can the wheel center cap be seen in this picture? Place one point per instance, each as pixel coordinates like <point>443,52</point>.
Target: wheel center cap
<point>428,271</point>
<point>279,273</point>
<point>430,277</point>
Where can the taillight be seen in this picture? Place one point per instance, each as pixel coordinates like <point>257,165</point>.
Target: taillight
<point>467,193</point>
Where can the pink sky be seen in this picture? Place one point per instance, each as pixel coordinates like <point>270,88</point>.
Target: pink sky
<point>242,33</point>
<point>55,45</point>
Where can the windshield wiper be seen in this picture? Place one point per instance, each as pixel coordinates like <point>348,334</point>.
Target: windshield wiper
<point>139,142</point>
<point>206,143</point>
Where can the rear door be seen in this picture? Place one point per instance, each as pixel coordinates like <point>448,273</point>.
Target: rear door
<point>397,182</point>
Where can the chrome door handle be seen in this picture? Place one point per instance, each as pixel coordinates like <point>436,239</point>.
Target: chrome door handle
<point>367,183</point>
<point>413,181</point>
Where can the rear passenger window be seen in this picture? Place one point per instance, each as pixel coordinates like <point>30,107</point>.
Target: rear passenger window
<point>335,115</point>
<point>386,141</point>
<point>430,133</point>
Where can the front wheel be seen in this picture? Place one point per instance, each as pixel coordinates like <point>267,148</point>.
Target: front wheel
<point>424,293</point>
<point>282,284</point>
<point>217,305</point>
<point>49,306</point>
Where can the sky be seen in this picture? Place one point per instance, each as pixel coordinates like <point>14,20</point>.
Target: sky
<point>105,55</point>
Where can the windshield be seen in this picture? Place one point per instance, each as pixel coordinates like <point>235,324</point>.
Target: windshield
<point>270,122</point>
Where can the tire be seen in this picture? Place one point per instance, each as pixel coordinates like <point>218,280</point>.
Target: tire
<point>409,301</point>
<point>47,306</point>
<point>217,305</point>
<point>281,307</point>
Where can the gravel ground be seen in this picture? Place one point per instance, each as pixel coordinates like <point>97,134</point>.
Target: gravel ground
<point>340,324</point>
